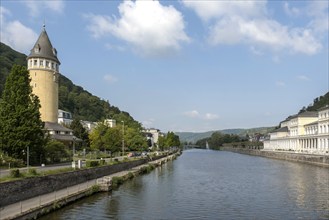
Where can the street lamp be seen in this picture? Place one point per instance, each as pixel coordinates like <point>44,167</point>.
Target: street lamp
<point>73,149</point>
<point>123,140</point>
<point>28,157</point>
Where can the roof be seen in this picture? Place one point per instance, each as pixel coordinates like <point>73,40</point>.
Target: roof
<point>55,126</point>
<point>65,137</point>
<point>324,108</point>
<point>306,114</point>
<point>283,129</point>
<point>43,48</point>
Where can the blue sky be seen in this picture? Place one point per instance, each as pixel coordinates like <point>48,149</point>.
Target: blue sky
<point>185,65</point>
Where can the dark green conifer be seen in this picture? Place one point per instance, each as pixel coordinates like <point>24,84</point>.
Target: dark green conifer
<point>20,123</point>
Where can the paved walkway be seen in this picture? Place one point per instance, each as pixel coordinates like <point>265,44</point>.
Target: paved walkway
<point>16,209</point>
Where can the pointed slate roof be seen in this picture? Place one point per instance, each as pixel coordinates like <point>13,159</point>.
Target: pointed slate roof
<point>43,48</point>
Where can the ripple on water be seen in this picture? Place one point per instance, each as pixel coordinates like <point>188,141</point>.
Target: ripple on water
<point>214,185</point>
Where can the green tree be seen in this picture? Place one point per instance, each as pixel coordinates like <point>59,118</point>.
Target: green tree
<point>80,132</point>
<point>172,140</point>
<point>135,140</point>
<point>20,123</point>
<point>105,138</point>
<point>161,142</point>
<point>56,152</point>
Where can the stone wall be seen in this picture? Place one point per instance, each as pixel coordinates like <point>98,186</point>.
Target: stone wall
<point>15,191</point>
<point>322,160</point>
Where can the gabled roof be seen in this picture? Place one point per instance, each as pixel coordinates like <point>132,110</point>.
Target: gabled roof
<point>324,108</point>
<point>52,126</point>
<point>43,48</point>
<point>283,129</point>
<point>306,114</point>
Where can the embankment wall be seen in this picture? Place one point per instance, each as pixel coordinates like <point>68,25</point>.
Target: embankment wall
<point>15,191</point>
<point>321,160</point>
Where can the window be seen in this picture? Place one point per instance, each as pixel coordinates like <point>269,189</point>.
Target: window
<point>35,62</point>
<point>52,65</point>
<point>41,62</point>
<point>47,63</point>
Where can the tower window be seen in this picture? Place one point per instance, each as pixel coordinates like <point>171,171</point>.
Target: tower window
<point>52,65</point>
<point>35,85</point>
<point>41,62</point>
<point>35,62</point>
<point>47,63</point>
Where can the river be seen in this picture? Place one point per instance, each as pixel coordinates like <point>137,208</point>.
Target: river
<point>206,184</point>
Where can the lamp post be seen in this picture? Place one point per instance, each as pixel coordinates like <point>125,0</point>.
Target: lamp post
<point>28,157</point>
<point>73,149</point>
<point>123,140</point>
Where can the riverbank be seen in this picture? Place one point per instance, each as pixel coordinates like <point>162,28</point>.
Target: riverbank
<point>27,200</point>
<point>319,160</point>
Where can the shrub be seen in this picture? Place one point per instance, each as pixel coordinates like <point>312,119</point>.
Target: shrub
<point>92,163</point>
<point>95,189</point>
<point>116,181</point>
<point>5,160</point>
<point>32,172</point>
<point>130,175</point>
<point>15,173</point>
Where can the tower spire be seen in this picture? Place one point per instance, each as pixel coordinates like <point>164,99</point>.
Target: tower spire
<point>44,24</point>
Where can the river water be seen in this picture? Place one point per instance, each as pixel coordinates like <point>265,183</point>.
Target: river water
<point>205,184</point>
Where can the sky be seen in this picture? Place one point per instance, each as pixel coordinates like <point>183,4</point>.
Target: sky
<point>185,65</point>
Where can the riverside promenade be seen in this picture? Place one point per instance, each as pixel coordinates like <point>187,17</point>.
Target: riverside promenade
<point>314,159</point>
<point>39,205</point>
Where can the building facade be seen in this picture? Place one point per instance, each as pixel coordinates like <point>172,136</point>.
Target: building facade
<point>307,132</point>
<point>64,117</point>
<point>43,66</point>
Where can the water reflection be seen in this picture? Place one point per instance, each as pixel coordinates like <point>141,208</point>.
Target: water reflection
<point>214,185</point>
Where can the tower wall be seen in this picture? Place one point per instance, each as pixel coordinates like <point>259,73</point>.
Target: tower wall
<point>44,81</point>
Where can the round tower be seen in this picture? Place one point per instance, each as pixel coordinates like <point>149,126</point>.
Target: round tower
<point>43,66</point>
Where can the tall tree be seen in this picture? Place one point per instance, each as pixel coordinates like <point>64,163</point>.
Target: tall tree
<point>80,132</point>
<point>106,138</point>
<point>20,123</point>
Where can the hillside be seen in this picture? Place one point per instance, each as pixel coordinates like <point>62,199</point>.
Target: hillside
<point>318,103</point>
<point>192,137</point>
<point>8,57</point>
<point>72,98</point>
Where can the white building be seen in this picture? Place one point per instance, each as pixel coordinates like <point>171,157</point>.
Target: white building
<point>307,132</point>
<point>89,125</point>
<point>110,123</point>
<point>64,117</point>
<point>153,134</point>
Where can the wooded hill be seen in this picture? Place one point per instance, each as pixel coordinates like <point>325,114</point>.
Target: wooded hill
<point>81,103</point>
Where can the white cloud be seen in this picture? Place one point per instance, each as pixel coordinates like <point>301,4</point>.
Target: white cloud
<point>318,11</point>
<point>280,84</point>
<point>115,47</point>
<point>210,9</point>
<point>303,78</point>
<point>196,114</point>
<point>110,78</point>
<point>36,7</point>
<point>210,116</point>
<point>15,34</point>
<point>247,22</point>
<point>151,28</point>
<point>192,114</point>
<point>291,11</point>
